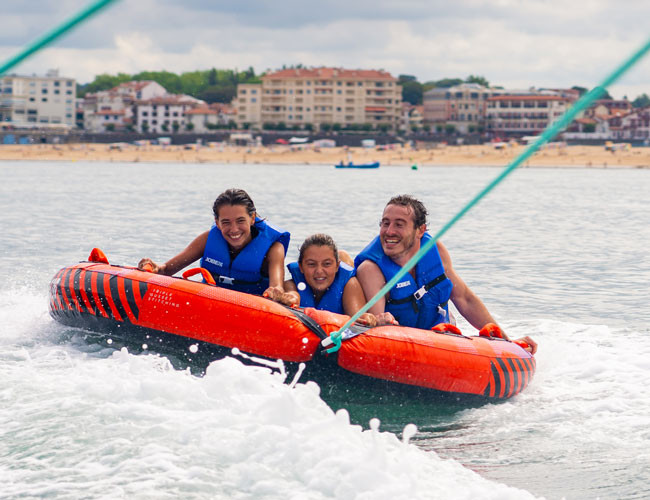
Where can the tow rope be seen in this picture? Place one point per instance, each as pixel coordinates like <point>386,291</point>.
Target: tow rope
<point>333,342</point>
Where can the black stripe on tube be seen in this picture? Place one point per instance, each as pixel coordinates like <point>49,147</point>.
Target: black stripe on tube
<point>112,281</point>
<point>130,297</point>
<point>506,377</point>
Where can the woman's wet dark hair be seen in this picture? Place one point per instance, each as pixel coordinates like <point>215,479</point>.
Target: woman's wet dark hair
<point>319,240</point>
<point>233,196</point>
<point>419,210</point>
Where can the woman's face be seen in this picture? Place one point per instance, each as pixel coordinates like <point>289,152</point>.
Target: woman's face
<point>235,225</point>
<point>319,267</point>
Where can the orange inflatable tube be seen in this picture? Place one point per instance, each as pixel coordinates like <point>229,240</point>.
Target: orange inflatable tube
<point>101,297</point>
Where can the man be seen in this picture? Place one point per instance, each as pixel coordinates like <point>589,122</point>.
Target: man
<point>421,298</point>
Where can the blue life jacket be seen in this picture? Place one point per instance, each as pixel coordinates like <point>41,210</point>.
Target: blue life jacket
<point>419,302</point>
<point>332,300</point>
<point>244,273</point>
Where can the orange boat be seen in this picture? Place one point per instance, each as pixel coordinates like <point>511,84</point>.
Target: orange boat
<point>123,303</point>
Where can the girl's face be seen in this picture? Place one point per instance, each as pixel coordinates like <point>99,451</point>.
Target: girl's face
<point>235,223</point>
<point>319,267</point>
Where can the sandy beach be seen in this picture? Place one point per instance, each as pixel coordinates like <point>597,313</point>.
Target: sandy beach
<point>552,155</point>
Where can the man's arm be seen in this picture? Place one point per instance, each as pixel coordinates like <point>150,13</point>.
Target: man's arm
<point>468,303</point>
<point>465,300</point>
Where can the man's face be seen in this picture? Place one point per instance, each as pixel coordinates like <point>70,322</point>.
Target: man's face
<point>399,237</point>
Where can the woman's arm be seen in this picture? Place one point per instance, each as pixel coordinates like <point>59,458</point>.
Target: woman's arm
<point>191,253</point>
<point>275,259</point>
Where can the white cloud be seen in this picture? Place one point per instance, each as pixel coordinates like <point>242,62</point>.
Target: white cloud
<point>515,43</point>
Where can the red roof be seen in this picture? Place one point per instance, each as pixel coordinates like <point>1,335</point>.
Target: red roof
<point>203,110</point>
<point>330,73</point>
<point>110,112</point>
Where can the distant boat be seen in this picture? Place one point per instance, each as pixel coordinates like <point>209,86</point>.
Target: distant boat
<point>357,165</point>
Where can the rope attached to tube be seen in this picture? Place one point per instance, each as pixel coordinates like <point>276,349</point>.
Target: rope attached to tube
<point>551,131</point>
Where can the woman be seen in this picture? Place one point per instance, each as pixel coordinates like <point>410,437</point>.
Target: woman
<point>322,280</point>
<point>242,251</point>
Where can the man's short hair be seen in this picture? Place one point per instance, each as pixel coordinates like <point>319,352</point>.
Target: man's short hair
<point>417,207</point>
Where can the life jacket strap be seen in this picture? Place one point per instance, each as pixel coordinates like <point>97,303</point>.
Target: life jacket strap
<point>227,280</point>
<point>420,292</point>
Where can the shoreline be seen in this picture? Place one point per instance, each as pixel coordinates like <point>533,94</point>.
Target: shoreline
<point>552,156</point>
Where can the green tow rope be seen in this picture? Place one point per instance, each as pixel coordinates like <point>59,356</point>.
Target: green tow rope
<point>54,34</point>
<point>550,132</point>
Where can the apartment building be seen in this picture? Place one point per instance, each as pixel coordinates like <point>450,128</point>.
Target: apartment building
<point>523,114</point>
<point>319,97</point>
<point>203,119</point>
<point>163,114</point>
<point>38,101</point>
<point>634,126</point>
<point>461,106</point>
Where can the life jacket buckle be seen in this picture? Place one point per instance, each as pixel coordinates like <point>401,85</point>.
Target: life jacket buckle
<point>419,293</point>
<point>227,280</point>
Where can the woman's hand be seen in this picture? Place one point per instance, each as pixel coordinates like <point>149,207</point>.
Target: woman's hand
<point>149,266</point>
<point>386,318</point>
<point>368,319</point>
<point>278,295</point>
<point>531,345</point>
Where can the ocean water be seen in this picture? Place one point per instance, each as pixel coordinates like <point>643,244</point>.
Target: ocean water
<point>558,254</point>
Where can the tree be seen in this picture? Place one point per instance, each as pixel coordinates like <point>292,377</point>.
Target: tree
<point>581,90</point>
<point>406,78</point>
<point>102,82</point>
<point>477,79</point>
<point>641,101</point>
<point>189,126</point>
<point>175,127</point>
<point>445,83</point>
<point>218,93</point>
<point>212,77</point>
<point>412,92</point>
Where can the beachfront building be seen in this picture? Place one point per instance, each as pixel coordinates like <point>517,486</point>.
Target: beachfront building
<point>248,105</point>
<point>112,110</point>
<point>37,101</point>
<point>634,126</point>
<point>522,114</point>
<point>164,113</point>
<point>412,118</point>
<point>460,108</point>
<point>203,119</point>
<point>320,98</point>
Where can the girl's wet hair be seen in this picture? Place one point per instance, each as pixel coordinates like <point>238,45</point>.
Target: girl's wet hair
<point>319,240</point>
<point>233,196</point>
<point>419,210</point>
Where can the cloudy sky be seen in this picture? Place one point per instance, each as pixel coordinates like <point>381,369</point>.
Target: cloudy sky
<point>513,43</point>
